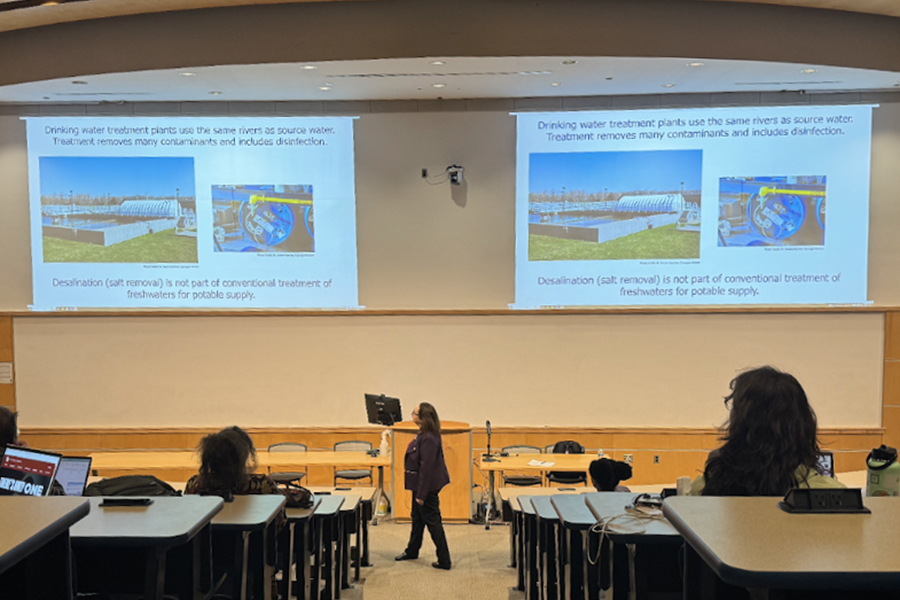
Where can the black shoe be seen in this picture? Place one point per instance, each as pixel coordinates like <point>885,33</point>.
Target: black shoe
<point>405,556</point>
<point>438,565</point>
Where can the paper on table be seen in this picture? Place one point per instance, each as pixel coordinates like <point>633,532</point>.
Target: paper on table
<point>540,463</point>
<point>6,372</point>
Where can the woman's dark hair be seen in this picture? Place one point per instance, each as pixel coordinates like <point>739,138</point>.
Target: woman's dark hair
<point>223,460</point>
<point>9,431</point>
<point>242,437</point>
<point>430,423</point>
<point>607,473</point>
<point>770,433</point>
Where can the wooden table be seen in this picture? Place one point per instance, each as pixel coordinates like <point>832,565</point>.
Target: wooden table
<point>751,543</point>
<point>605,506</point>
<point>116,546</point>
<point>35,556</point>
<point>520,462</point>
<point>244,537</point>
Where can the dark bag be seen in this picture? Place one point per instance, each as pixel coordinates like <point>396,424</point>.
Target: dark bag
<point>297,495</point>
<point>131,485</point>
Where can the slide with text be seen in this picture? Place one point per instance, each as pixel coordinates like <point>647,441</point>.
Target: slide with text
<point>182,212</point>
<point>693,206</point>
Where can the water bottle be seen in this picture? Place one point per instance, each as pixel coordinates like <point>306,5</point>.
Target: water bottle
<point>884,472</point>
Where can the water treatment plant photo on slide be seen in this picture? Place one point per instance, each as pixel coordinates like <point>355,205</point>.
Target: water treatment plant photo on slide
<point>614,205</point>
<point>118,209</point>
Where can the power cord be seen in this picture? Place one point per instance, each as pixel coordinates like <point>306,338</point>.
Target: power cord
<point>636,516</point>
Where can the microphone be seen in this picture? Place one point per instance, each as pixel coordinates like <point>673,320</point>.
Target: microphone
<point>488,457</point>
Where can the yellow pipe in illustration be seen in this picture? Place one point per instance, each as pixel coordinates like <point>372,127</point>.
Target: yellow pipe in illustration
<point>254,199</point>
<point>770,190</point>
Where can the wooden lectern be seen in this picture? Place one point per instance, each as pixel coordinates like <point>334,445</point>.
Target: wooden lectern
<point>456,498</point>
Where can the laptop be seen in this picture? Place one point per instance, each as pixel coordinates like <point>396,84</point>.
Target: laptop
<point>27,472</point>
<point>73,473</point>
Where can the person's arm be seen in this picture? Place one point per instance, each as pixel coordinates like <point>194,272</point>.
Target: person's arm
<point>428,464</point>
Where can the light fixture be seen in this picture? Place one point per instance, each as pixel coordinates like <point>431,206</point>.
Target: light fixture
<point>556,84</point>
<point>695,64</point>
<point>309,67</point>
<point>79,82</point>
<point>215,93</point>
<point>438,63</point>
<point>570,62</point>
<point>187,74</point>
<point>325,88</point>
<point>609,78</point>
<point>668,85</point>
<point>808,71</point>
<point>438,85</point>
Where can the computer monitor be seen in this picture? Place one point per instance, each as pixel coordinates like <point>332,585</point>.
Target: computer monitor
<point>27,472</point>
<point>383,410</point>
<point>73,473</point>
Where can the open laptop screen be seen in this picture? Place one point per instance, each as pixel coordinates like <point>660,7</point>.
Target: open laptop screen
<point>72,474</point>
<point>27,472</point>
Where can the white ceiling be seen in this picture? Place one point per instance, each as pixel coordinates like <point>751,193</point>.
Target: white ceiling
<point>421,78</point>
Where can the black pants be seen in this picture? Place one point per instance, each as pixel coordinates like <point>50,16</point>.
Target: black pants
<point>428,515</point>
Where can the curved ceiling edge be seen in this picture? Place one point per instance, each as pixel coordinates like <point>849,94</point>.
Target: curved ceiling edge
<point>374,29</point>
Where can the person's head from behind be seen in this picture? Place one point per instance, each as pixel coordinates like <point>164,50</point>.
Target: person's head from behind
<point>242,437</point>
<point>770,432</point>
<point>426,417</point>
<point>606,474</point>
<point>9,430</point>
<point>223,462</point>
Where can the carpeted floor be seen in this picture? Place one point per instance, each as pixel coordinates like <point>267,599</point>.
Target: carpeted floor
<point>480,565</point>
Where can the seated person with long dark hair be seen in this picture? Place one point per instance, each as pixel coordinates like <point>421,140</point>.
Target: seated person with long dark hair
<point>227,460</point>
<point>607,473</point>
<point>770,444</point>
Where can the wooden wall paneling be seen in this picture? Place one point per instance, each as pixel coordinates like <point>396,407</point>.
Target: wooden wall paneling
<point>891,423</point>
<point>892,336</point>
<point>7,390</point>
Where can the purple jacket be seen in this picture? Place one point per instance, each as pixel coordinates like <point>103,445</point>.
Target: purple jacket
<point>426,470</point>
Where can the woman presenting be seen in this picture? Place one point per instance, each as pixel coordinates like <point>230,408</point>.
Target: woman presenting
<point>426,474</point>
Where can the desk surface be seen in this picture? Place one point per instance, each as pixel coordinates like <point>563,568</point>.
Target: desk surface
<point>28,523</point>
<point>750,542</point>
<point>169,521</point>
<point>366,494</point>
<point>573,512</point>
<point>543,509</point>
<point>608,505</point>
<point>249,513</point>
<point>519,462</point>
<point>510,493</point>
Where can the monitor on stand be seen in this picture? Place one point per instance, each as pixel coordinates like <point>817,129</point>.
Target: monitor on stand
<point>383,410</point>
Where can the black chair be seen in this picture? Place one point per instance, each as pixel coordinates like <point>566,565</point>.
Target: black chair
<point>284,477</point>
<point>518,479</point>
<point>566,477</point>
<point>353,474</point>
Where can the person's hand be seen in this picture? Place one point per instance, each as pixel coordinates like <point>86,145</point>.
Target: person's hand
<point>420,502</point>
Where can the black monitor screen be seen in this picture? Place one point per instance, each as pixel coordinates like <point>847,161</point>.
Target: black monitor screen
<point>383,410</point>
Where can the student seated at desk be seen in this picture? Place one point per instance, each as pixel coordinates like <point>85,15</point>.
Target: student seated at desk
<point>9,435</point>
<point>607,473</point>
<point>770,440</point>
<point>227,461</point>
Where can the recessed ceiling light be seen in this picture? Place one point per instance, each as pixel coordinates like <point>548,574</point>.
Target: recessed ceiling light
<point>309,67</point>
<point>808,71</point>
<point>187,74</point>
<point>556,84</point>
<point>695,64</point>
<point>438,63</point>
<point>668,85</point>
<point>438,85</point>
<point>325,88</point>
<point>79,82</point>
<point>570,62</point>
<point>49,3</point>
<point>215,93</point>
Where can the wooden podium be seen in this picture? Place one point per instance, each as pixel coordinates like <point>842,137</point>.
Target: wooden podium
<point>456,498</point>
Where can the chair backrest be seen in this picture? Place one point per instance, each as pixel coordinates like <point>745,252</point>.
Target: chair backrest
<point>352,446</point>
<point>287,447</point>
<point>521,449</point>
<point>567,447</point>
